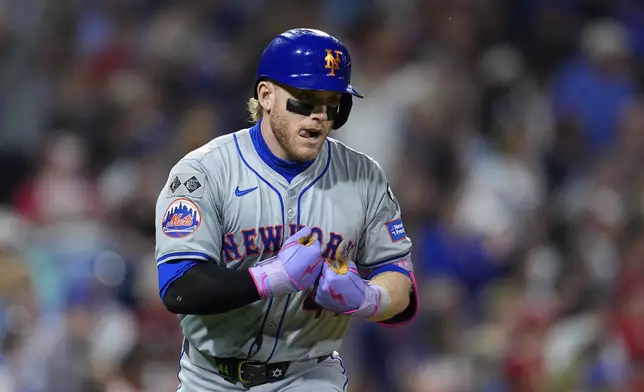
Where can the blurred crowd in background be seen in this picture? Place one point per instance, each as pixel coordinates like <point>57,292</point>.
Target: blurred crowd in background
<point>512,132</point>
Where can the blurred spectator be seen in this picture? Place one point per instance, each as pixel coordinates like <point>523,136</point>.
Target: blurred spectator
<point>591,88</point>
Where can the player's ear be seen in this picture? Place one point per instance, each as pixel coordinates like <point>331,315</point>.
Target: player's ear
<point>265,94</point>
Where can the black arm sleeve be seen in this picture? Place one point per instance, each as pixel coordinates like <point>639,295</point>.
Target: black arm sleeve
<point>210,289</point>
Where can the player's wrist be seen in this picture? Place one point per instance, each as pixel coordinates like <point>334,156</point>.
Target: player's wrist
<point>271,279</point>
<point>376,301</point>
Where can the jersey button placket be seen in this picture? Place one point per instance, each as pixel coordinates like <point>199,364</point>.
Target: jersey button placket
<point>291,204</point>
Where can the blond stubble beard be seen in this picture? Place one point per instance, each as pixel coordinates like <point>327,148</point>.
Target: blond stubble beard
<point>279,126</point>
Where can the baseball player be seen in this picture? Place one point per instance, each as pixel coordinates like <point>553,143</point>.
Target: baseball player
<point>270,239</point>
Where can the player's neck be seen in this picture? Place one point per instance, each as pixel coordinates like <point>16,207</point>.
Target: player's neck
<point>288,169</point>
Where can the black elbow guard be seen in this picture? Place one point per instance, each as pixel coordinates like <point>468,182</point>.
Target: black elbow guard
<point>173,298</point>
<point>210,289</point>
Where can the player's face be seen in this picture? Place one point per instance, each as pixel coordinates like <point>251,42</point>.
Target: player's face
<point>301,136</point>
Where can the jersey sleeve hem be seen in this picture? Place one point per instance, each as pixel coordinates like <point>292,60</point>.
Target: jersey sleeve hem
<point>168,273</point>
<point>389,268</point>
<point>183,255</point>
<point>385,261</point>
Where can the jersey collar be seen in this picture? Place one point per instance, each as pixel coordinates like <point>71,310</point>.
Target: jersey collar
<point>287,169</point>
<point>299,171</point>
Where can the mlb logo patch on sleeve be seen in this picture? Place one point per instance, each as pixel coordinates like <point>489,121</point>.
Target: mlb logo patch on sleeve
<point>181,219</point>
<point>396,230</point>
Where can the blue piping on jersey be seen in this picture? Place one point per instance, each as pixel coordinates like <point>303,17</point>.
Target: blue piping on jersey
<point>257,343</point>
<point>344,371</point>
<point>288,299</point>
<point>186,255</point>
<point>389,268</point>
<point>279,195</point>
<point>179,370</point>
<point>384,261</point>
<point>306,188</point>
<point>279,328</point>
<point>299,199</point>
<point>287,169</point>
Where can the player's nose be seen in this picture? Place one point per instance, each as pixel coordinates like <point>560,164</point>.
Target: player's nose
<point>320,113</point>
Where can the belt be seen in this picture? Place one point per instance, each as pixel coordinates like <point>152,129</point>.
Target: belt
<point>253,373</point>
<point>249,373</point>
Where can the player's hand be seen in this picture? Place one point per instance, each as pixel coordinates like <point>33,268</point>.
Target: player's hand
<point>295,268</point>
<point>343,291</point>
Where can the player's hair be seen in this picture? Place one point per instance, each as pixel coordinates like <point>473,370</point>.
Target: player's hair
<point>255,110</point>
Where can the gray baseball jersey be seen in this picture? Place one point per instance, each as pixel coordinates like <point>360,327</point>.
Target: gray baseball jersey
<point>222,204</point>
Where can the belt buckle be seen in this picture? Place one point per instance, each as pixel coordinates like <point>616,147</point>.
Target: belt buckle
<point>247,376</point>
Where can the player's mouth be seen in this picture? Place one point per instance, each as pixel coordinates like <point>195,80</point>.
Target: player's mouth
<point>310,133</point>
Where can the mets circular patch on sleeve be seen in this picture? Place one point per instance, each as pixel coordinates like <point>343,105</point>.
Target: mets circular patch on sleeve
<point>181,219</point>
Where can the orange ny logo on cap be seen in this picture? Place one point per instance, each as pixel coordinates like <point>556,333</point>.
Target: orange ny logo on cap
<point>332,62</point>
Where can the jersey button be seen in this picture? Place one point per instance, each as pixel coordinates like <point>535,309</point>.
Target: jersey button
<point>271,326</point>
<point>290,213</point>
<point>291,193</point>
